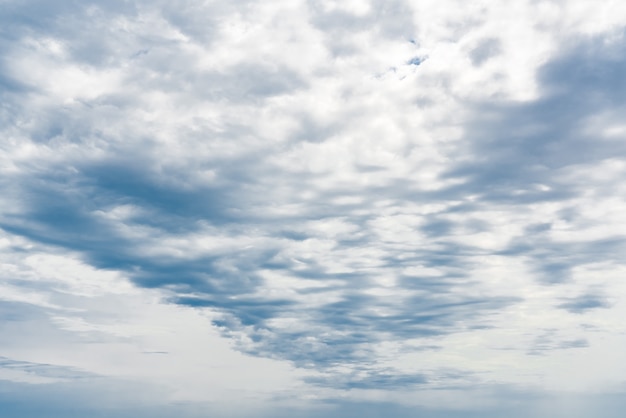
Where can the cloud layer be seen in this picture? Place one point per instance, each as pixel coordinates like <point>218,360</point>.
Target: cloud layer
<point>367,200</point>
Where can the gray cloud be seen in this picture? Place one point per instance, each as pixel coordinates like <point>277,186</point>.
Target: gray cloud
<point>584,303</point>
<point>204,209</point>
<point>550,340</point>
<point>43,370</point>
<point>486,49</point>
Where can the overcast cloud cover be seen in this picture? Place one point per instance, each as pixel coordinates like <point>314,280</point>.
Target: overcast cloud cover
<point>312,208</point>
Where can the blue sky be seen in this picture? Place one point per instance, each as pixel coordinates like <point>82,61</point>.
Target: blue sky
<point>312,208</point>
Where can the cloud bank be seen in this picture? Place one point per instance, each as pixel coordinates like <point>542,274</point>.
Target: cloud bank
<point>307,205</point>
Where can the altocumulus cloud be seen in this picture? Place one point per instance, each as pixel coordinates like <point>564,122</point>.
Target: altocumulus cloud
<point>360,207</point>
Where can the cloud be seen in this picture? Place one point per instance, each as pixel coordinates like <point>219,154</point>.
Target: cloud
<point>548,340</point>
<point>340,188</point>
<point>37,373</point>
<point>584,303</point>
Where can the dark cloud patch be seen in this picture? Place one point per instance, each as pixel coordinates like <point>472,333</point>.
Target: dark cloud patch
<point>250,312</point>
<point>35,14</point>
<point>549,340</point>
<point>585,302</point>
<point>438,227</point>
<point>553,262</point>
<point>78,26</point>
<point>10,86</point>
<point>12,314</point>
<point>577,343</point>
<point>594,67</point>
<point>555,272</point>
<point>416,61</point>
<point>123,182</point>
<point>486,49</point>
<point>521,151</point>
<point>519,146</point>
<point>345,331</point>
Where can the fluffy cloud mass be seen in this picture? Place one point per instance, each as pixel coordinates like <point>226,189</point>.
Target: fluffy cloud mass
<point>303,208</point>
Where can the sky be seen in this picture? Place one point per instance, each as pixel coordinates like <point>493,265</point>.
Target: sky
<point>312,208</point>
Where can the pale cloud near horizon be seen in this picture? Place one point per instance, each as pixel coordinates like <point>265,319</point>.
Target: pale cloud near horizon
<point>302,208</point>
